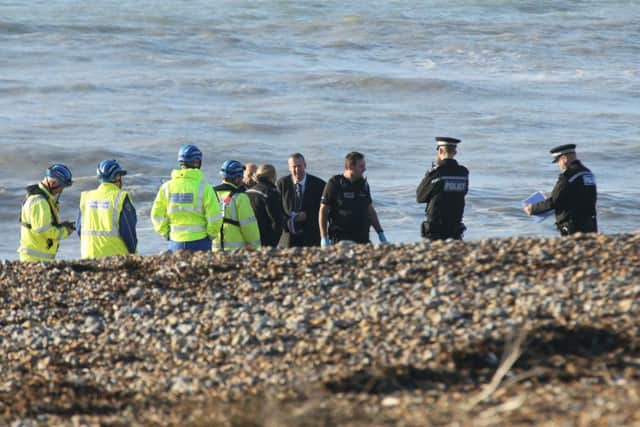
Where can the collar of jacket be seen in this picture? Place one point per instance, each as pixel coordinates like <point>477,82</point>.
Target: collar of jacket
<point>195,174</point>
<point>444,162</point>
<point>46,191</point>
<point>109,185</point>
<point>229,183</point>
<point>51,199</point>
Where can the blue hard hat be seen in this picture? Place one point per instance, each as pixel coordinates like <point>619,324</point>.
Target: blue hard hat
<point>231,169</point>
<point>108,171</point>
<point>189,154</point>
<point>61,173</point>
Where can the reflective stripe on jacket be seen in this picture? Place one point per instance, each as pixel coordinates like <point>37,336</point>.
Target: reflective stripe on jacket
<point>100,232</point>
<point>40,233</point>
<point>186,208</point>
<point>240,228</point>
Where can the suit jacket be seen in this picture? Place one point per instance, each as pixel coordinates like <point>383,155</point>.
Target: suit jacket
<point>309,230</point>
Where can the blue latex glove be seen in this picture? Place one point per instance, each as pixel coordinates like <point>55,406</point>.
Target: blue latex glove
<point>382,237</point>
<point>325,242</point>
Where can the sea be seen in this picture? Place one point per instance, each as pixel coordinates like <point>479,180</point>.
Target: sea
<point>257,80</point>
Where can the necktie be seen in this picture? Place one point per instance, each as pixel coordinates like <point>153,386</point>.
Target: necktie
<point>298,205</point>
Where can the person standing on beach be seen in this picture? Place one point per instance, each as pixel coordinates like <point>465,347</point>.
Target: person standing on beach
<point>443,189</point>
<point>301,193</point>
<point>186,211</point>
<point>249,176</point>
<point>240,227</point>
<point>267,205</point>
<point>106,221</point>
<point>574,196</point>
<point>41,231</point>
<point>347,207</point>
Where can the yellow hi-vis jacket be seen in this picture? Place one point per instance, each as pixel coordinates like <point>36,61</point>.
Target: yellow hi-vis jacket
<point>240,228</point>
<point>186,208</point>
<point>40,233</point>
<point>100,229</point>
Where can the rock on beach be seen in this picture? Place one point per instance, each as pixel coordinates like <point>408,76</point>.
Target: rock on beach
<point>412,334</point>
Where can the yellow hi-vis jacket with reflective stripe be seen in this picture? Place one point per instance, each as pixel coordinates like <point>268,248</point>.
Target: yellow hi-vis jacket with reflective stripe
<point>100,229</point>
<point>186,208</point>
<point>240,228</point>
<point>40,233</point>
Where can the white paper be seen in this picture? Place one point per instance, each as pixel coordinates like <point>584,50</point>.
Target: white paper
<point>536,197</point>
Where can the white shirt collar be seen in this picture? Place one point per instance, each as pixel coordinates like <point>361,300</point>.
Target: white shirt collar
<point>303,182</point>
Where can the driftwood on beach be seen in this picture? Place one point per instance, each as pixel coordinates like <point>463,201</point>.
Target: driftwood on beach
<point>513,331</point>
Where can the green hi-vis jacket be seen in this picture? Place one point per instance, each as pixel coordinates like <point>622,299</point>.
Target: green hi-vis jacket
<point>100,230</point>
<point>240,229</point>
<point>186,208</point>
<point>40,231</point>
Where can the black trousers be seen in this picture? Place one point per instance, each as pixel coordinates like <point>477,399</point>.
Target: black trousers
<point>433,231</point>
<point>581,225</point>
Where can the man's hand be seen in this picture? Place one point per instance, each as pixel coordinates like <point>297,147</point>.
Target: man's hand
<point>528,209</point>
<point>301,216</point>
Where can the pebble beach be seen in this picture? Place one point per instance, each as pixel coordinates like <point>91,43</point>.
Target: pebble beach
<point>513,331</point>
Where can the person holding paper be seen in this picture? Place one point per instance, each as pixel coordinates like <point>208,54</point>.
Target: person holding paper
<point>574,196</point>
<point>443,190</point>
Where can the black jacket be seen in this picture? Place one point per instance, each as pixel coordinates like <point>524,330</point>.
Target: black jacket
<point>443,190</point>
<point>265,200</point>
<point>308,232</point>
<point>573,200</point>
<point>348,203</point>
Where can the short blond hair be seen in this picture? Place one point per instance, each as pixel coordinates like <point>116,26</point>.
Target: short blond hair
<point>266,173</point>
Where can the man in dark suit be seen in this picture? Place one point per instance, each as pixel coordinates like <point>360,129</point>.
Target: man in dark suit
<point>301,194</point>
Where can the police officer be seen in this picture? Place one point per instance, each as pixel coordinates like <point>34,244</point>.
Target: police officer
<point>443,190</point>
<point>574,196</point>
<point>186,211</point>
<point>240,227</point>
<point>107,219</point>
<point>346,205</point>
<point>41,230</point>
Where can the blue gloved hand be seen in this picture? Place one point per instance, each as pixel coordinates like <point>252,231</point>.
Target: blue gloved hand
<point>325,242</point>
<point>382,237</point>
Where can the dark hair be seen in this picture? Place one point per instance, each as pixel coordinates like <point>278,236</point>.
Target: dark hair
<point>297,156</point>
<point>352,158</point>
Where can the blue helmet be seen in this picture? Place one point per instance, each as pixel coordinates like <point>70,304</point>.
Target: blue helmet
<point>108,171</point>
<point>61,173</point>
<point>189,154</point>
<point>231,169</point>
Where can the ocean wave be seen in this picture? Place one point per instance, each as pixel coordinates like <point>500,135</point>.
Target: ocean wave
<point>257,127</point>
<point>26,162</point>
<point>79,87</point>
<point>346,44</point>
<point>10,28</point>
<point>382,83</point>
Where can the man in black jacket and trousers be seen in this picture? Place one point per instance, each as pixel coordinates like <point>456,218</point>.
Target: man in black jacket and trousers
<point>574,196</point>
<point>443,189</point>
<point>301,194</point>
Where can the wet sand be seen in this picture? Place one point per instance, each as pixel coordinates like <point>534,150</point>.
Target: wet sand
<point>515,331</point>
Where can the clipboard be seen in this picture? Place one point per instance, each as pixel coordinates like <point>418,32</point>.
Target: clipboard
<point>536,197</point>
